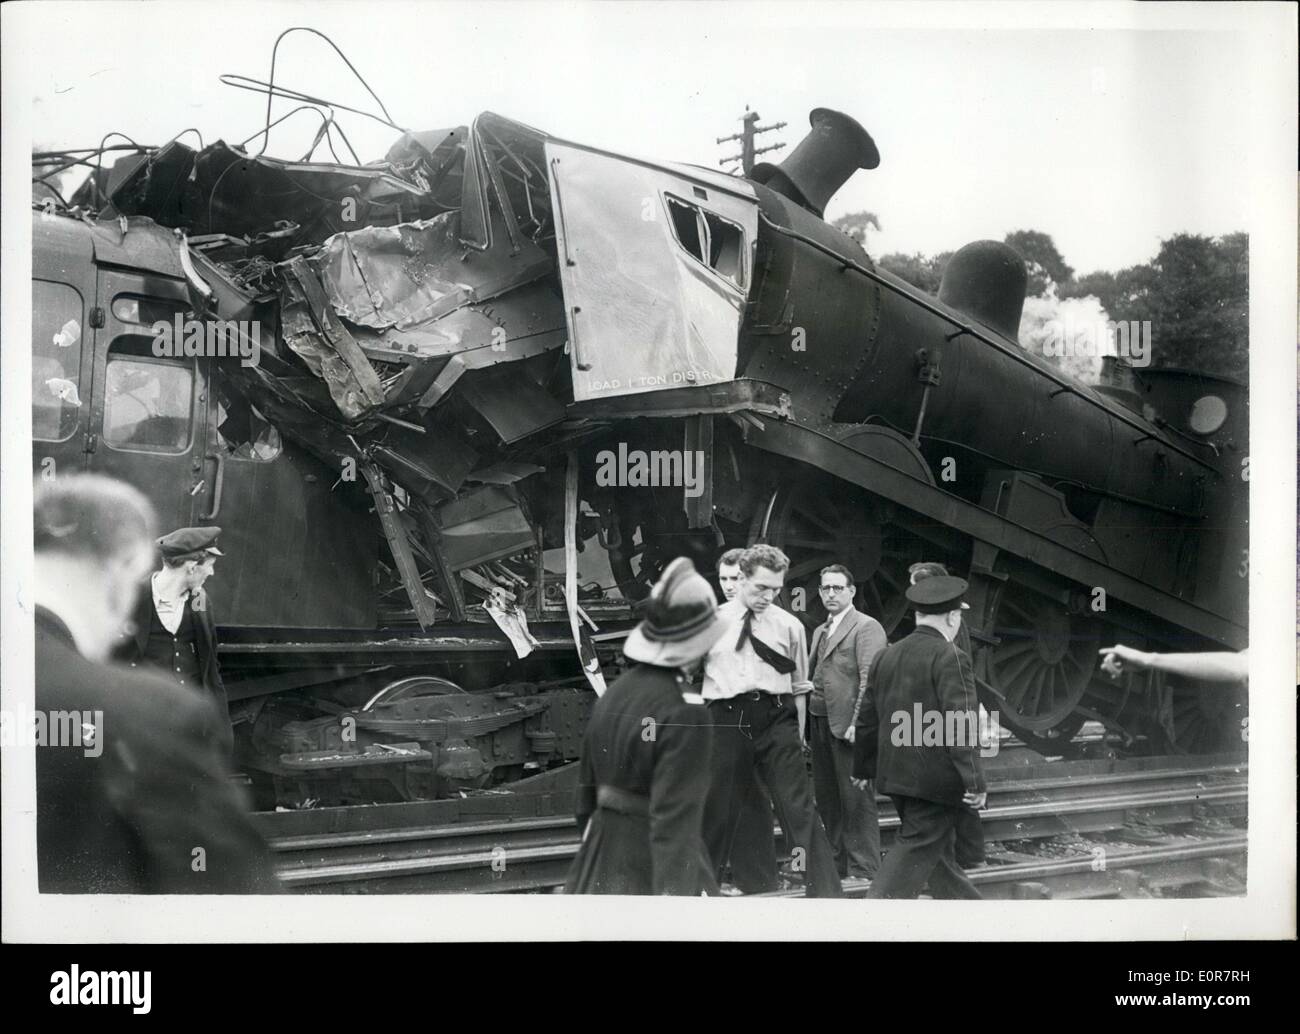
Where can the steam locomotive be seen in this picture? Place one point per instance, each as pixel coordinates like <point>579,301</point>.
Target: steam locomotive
<point>434,536</point>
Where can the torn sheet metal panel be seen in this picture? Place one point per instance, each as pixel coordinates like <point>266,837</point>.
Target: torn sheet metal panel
<point>510,324</point>
<point>507,399</point>
<point>655,266</point>
<point>315,333</point>
<point>507,472</point>
<point>483,524</point>
<point>399,276</point>
<point>433,465</point>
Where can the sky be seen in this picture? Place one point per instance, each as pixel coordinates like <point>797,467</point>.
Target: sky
<point>1109,135</point>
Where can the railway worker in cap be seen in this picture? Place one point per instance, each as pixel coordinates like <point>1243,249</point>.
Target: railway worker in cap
<point>918,739</point>
<point>173,626</point>
<point>840,658</point>
<point>756,684</point>
<point>644,771</point>
<point>142,802</point>
<point>752,854</point>
<point>970,828</point>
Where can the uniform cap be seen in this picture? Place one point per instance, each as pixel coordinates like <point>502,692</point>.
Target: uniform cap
<point>938,594</point>
<point>189,543</point>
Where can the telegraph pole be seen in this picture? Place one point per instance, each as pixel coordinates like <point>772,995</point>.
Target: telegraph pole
<point>749,132</point>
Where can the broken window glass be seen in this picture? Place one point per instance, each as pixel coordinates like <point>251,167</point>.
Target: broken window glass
<point>725,242</point>
<point>147,403</point>
<point>716,242</point>
<point>56,360</point>
<point>686,226</point>
<point>244,434</point>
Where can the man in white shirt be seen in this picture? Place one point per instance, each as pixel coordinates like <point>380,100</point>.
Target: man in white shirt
<point>756,686</point>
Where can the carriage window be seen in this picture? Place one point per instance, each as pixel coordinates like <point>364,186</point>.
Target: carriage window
<point>686,224</point>
<point>134,308</point>
<point>712,240</point>
<point>147,404</point>
<point>244,434</point>
<point>57,327</point>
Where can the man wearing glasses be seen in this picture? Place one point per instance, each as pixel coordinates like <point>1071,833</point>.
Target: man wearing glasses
<point>841,655</point>
<point>756,685</point>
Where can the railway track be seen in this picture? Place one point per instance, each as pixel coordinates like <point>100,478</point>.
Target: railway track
<point>1139,810</point>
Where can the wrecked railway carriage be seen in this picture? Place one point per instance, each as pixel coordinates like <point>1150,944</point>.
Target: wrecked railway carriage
<point>502,378</point>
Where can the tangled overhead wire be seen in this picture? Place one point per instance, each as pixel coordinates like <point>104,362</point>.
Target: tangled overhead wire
<point>329,123</point>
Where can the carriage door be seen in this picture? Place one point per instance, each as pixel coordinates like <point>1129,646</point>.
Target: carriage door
<point>655,267</point>
<point>147,413</point>
<point>63,291</point>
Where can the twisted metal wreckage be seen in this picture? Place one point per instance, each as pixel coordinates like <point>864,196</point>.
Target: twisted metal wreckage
<point>476,327</point>
<point>413,332</point>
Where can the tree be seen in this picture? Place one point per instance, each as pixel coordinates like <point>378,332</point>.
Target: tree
<point>1195,293</point>
<point>855,224</point>
<point>1039,250</point>
<point>917,270</point>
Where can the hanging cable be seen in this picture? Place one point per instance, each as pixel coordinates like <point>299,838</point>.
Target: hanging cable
<point>272,91</point>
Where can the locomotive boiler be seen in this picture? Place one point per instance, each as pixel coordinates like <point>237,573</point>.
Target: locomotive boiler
<point>430,564</point>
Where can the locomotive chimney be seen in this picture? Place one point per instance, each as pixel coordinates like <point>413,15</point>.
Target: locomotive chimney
<point>833,150</point>
<point>986,279</point>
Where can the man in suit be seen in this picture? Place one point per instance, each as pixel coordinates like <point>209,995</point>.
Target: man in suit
<point>969,828</point>
<point>145,804</point>
<point>840,658</point>
<point>755,683</point>
<point>751,856</point>
<point>173,628</point>
<point>918,738</point>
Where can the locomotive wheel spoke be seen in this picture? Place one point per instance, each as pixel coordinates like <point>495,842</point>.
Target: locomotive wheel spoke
<point>1039,664</point>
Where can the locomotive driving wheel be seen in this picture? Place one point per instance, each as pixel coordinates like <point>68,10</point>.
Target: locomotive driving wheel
<point>816,525</point>
<point>1200,717</point>
<point>1041,666</point>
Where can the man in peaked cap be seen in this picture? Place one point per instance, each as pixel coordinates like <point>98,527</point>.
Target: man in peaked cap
<point>173,627</point>
<point>918,738</point>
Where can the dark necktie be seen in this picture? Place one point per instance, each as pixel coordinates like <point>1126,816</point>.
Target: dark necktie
<point>779,661</point>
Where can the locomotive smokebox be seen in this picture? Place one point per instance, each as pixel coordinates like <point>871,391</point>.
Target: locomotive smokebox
<point>986,280</point>
<point>835,148</point>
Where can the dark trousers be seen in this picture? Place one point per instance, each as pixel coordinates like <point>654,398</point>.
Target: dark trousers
<point>923,854</point>
<point>763,734</point>
<point>970,837</point>
<point>848,814</point>
<point>752,852</point>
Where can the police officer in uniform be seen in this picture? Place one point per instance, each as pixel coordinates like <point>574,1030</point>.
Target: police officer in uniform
<point>173,624</point>
<point>970,830</point>
<point>930,778</point>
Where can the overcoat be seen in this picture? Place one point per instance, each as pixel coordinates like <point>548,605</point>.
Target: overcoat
<point>145,804</point>
<point>919,676</point>
<point>642,784</point>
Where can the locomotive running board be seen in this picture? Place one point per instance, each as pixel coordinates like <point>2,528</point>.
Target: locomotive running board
<point>806,445</point>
